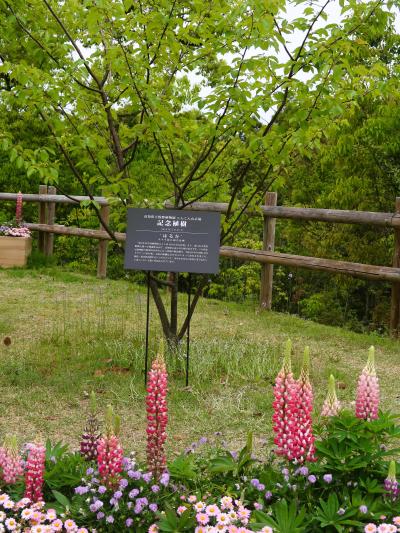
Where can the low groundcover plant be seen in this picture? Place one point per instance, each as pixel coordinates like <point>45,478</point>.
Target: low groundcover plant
<point>14,231</point>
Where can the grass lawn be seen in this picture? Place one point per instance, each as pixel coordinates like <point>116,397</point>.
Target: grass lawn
<point>72,333</point>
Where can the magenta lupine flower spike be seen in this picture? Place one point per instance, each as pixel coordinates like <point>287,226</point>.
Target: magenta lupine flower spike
<point>305,437</point>
<point>34,472</point>
<point>11,461</point>
<point>367,402</point>
<point>91,435</point>
<point>331,406</point>
<point>391,484</point>
<point>109,451</point>
<point>157,415</point>
<point>285,409</point>
<point>18,209</point>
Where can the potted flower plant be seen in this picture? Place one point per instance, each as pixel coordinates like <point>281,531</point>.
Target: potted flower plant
<point>15,240</point>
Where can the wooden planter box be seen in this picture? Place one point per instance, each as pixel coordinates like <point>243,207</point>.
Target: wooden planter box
<point>14,251</point>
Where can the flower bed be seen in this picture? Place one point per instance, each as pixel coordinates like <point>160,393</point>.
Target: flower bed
<point>339,475</point>
<point>15,241</point>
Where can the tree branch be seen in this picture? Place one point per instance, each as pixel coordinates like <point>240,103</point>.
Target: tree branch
<point>78,177</point>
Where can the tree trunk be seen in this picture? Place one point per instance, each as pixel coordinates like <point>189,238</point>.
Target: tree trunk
<point>172,333</point>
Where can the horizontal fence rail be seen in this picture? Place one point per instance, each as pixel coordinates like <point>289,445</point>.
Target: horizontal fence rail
<point>267,257</point>
<point>59,229</point>
<point>52,198</point>
<point>358,270</point>
<point>260,256</point>
<point>333,215</point>
<point>304,213</point>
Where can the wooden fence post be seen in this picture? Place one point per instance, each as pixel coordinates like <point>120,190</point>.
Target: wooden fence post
<point>395,303</point>
<point>103,244</point>
<point>51,212</point>
<point>42,218</point>
<point>267,271</point>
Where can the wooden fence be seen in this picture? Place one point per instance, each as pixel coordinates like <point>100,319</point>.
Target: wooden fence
<point>47,200</point>
<point>267,257</point>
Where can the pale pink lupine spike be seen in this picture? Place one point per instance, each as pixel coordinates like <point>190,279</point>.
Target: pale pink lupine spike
<point>157,414</point>
<point>331,406</point>
<point>11,461</point>
<point>367,402</point>
<point>304,430</point>
<point>34,472</point>
<point>285,409</point>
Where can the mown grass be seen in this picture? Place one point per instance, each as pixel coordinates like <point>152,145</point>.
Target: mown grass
<point>71,334</point>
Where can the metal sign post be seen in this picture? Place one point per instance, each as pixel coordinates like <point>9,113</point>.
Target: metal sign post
<point>189,314</point>
<point>146,356</point>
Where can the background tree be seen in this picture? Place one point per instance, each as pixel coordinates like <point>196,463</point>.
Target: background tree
<point>113,84</point>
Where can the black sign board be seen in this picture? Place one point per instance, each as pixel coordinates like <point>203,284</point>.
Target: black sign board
<point>172,241</point>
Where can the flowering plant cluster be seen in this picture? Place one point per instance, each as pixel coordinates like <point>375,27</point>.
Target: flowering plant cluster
<point>17,229</point>
<point>384,527</point>
<point>336,476</point>
<point>131,504</point>
<point>24,515</point>
<point>14,231</point>
<point>204,516</point>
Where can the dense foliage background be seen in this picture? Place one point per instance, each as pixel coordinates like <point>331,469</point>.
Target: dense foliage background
<point>333,144</point>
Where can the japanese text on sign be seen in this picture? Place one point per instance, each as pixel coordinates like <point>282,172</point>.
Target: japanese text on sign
<point>176,241</point>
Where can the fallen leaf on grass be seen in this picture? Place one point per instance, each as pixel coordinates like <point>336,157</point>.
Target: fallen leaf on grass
<point>7,341</point>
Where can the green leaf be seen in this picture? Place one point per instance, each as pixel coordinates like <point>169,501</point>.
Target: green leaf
<point>63,500</point>
<point>223,463</point>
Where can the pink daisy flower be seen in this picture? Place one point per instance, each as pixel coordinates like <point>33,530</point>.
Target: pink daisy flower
<point>212,510</point>
<point>202,518</point>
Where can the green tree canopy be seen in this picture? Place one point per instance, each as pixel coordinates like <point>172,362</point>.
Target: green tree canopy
<point>113,83</point>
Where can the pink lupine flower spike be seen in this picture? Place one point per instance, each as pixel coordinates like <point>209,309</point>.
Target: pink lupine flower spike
<point>157,415</point>
<point>34,472</point>
<point>109,451</point>
<point>305,438</point>
<point>367,402</point>
<point>285,408</point>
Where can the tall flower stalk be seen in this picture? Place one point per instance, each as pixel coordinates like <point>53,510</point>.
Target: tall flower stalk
<point>285,407</point>
<point>305,448</point>
<point>91,435</point>
<point>109,451</point>
<point>34,472</point>
<point>11,461</point>
<point>367,402</point>
<point>331,406</point>
<point>391,484</point>
<point>157,415</point>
